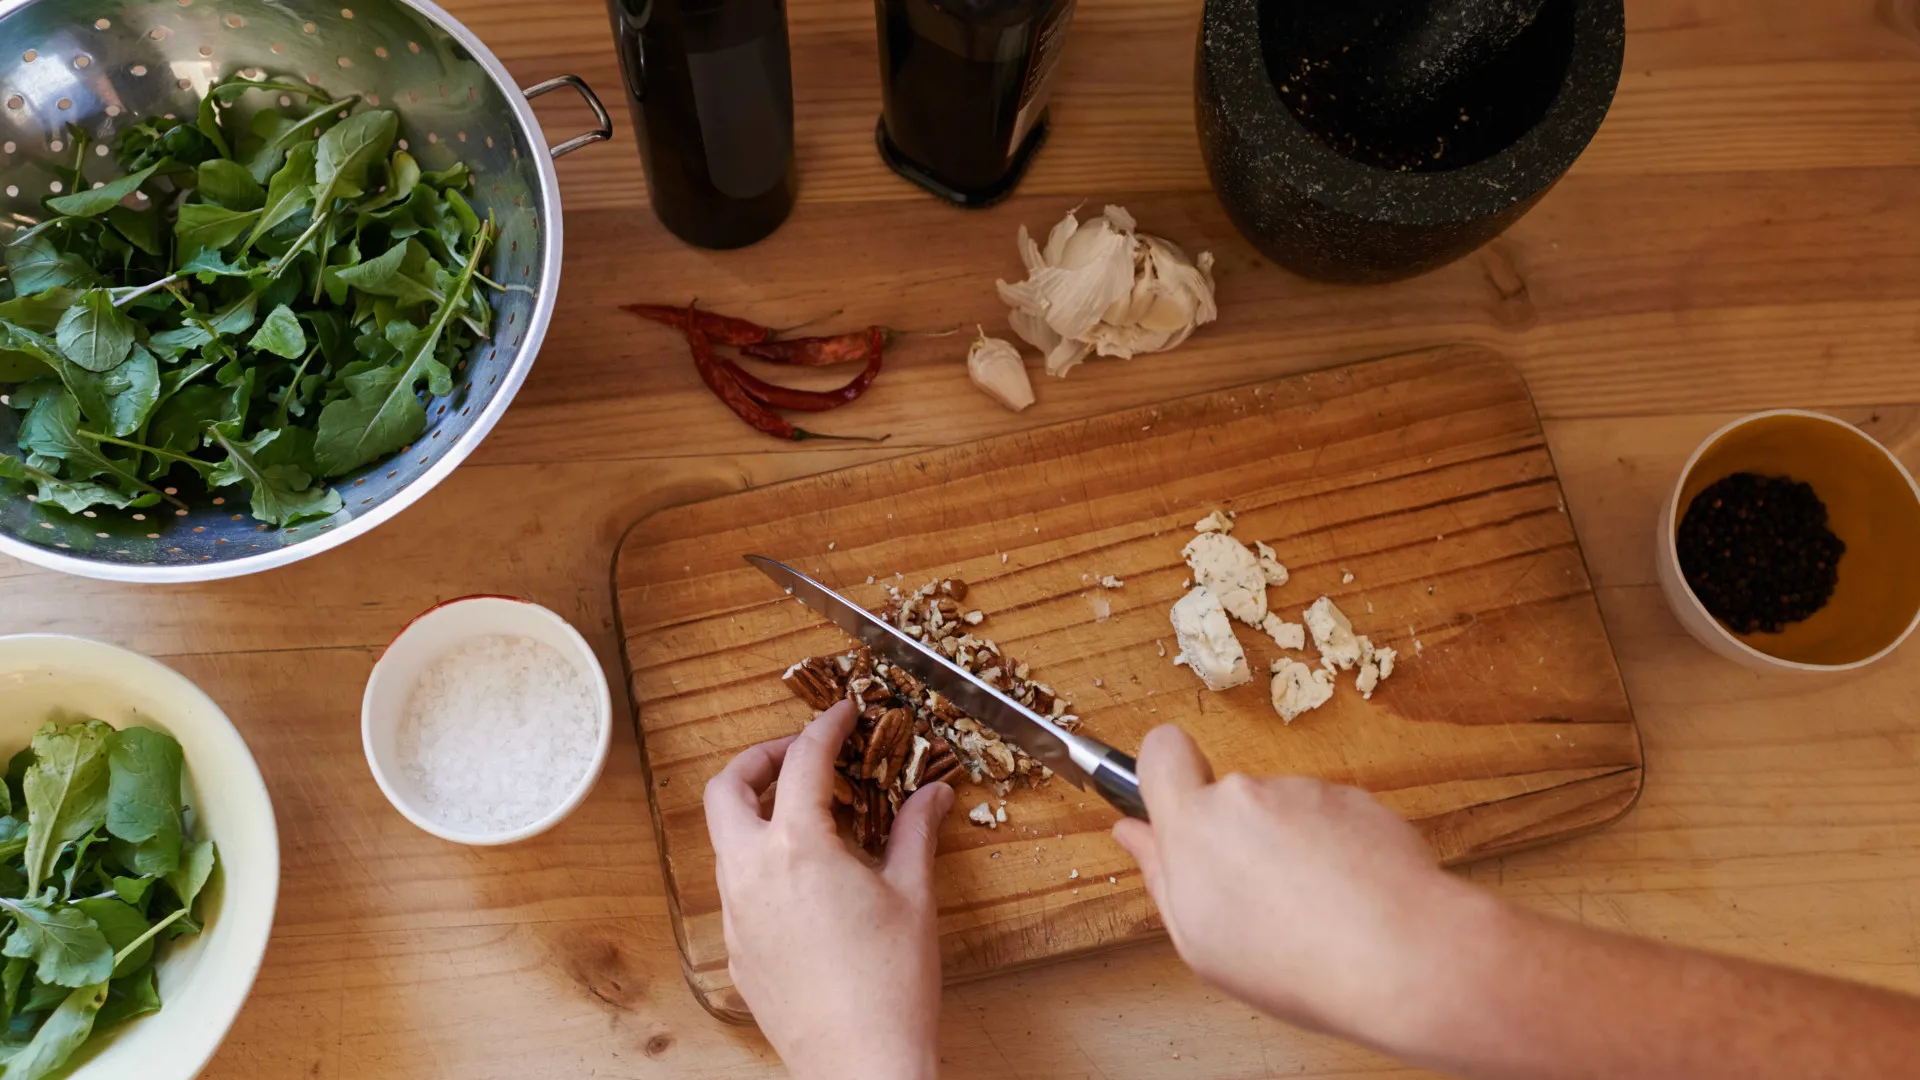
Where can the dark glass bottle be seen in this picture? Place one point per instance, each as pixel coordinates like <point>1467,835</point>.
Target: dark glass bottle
<point>711,93</point>
<point>964,90</point>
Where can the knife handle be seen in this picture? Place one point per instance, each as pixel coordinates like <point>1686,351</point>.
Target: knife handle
<point>1113,776</point>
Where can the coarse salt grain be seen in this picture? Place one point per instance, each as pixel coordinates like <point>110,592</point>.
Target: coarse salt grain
<point>496,734</point>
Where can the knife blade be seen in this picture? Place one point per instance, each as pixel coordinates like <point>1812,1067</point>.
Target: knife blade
<point>1085,762</point>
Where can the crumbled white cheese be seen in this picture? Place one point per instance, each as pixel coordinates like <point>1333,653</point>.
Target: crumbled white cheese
<point>982,815</point>
<point>1108,581</point>
<point>1000,814</point>
<point>1346,577</point>
<point>1207,644</point>
<point>1377,666</point>
<point>1224,567</point>
<point>1270,564</point>
<point>1333,635</point>
<point>1296,688</point>
<point>1214,522</point>
<point>1287,635</point>
<point>1073,874</point>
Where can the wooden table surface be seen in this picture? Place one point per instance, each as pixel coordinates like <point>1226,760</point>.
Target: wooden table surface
<point>1743,233</point>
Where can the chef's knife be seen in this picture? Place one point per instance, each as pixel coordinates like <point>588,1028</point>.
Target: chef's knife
<point>1088,763</point>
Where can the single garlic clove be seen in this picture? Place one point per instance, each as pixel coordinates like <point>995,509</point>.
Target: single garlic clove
<point>996,368</point>
<point>1066,356</point>
<point>1030,251</point>
<point>1057,239</point>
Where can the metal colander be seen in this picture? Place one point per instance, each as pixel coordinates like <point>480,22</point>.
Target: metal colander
<point>105,64</point>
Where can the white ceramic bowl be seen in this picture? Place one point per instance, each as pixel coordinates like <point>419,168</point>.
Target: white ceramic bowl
<point>1872,505</point>
<point>203,980</point>
<point>432,635</point>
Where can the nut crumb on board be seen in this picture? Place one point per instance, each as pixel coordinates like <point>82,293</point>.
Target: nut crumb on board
<point>908,735</point>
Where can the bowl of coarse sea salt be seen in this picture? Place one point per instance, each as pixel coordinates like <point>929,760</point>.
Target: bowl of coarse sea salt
<point>487,720</point>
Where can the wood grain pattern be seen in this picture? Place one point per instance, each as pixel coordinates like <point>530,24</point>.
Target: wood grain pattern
<point>1416,491</point>
<point>1740,236</point>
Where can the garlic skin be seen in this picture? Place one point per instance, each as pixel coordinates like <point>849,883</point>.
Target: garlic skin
<point>1101,287</point>
<point>996,368</point>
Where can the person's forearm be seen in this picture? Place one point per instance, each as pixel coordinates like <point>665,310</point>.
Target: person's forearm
<point>1506,992</point>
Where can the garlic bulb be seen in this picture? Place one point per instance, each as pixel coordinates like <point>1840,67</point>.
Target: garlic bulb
<point>1101,287</point>
<point>995,367</point>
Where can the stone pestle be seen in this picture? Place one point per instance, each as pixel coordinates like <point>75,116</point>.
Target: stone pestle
<point>1412,56</point>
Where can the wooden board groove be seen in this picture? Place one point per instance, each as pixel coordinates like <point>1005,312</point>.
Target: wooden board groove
<point>1426,475</point>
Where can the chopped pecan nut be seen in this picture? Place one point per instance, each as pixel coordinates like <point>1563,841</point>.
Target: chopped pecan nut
<point>816,682</point>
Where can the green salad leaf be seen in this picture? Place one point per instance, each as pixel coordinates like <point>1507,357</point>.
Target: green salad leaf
<point>66,790</point>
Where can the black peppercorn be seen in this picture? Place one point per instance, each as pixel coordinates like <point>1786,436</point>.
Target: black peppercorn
<point>1758,553</point>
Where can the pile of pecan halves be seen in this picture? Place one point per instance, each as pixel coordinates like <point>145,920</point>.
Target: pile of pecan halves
<point>908,735</point>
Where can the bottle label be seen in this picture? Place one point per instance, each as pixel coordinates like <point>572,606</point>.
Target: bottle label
<point>745,126</point>
<point>1048,42</point>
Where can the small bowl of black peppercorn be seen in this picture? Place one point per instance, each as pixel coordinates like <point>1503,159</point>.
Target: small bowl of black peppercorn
<point>1792,543</point>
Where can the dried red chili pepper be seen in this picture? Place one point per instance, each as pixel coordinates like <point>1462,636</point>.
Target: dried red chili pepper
<point>844,348</point>
<point>786,397</point>
<point>724,329</point>
<point>727,389</point>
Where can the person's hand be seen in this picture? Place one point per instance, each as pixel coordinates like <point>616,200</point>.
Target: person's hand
<point>1313,902</point>
<point>838,961</point>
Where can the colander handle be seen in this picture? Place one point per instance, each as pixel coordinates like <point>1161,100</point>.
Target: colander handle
<point>603,124</point>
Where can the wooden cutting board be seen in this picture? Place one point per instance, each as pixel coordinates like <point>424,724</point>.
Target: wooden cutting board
<point>1423,476</point>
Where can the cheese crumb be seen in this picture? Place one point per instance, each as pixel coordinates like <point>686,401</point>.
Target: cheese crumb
<point>1296,688</point>
<point>1333,635</point>
<point>1377,666</point>
<point>1215,521</point>
<point>1110,582</point>
<point>1000,814</point>
<point>1270,564</point>
<point>1073,874</point>
<point>1346,577</point>
<point>1207,644</point>
<point>1287,635</point>
<point>1224,567</point>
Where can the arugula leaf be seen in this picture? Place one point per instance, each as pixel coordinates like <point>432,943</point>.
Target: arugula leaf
<point>230,185</point>
<point>208,121</point>
<point>404,272</point>
<point>96,201</point>
<point>348,150</point>
<point>94,334</point>
<point>63,1032</point>
<point>119,400</point>
<point>121,925</point>
<point>280,334</point>
<point>52,430</point>
<point>66,789</point>
<point>36,265</point>
<point>289,192</point>
<point>44,996</point>
<point>144,798</point>
<point>281,492</point>
<point>127,997</point>
<point>11,977</point>
<point>40,312</point>
<point>132,890</point>
<point>383,412</point>
<point>196,866</point>
<point>140,227</point>
<point>181,422</point>
<point>206,227</point>
<point>66,947</point>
